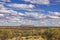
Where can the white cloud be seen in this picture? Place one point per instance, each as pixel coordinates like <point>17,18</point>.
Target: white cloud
<point>12,12</point>
<point>8,14</point>
<point>21,6</point>
<point>1,15</point>
<point>54,14</point>
<point>57,0</point>
<point>11,17</point>
<point>6,0</point>
<point>27,19</point>
<point>50,16</point>
<point>34,15</point>
<point>2,6</point>
<point>34,18</point>
<point>37,16</point>
<point>57,13</point>
<point>38,1</point>
<point>4,11</point>
<point>21,14</point>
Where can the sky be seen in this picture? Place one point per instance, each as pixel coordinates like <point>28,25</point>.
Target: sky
<point>30,12</point>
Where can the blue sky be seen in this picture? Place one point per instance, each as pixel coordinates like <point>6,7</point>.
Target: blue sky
<point>30,12</point>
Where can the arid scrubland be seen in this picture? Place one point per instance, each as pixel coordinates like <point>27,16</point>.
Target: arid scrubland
<point>29,33</point>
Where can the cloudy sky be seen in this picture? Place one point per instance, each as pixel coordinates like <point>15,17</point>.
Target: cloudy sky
<point>30,12</point>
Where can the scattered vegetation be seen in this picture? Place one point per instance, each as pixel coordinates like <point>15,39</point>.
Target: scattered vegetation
<point>29,33</point>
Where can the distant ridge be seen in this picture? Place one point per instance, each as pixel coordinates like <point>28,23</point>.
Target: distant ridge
<point>27,25</point>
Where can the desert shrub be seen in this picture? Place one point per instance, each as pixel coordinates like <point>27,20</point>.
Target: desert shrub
<point>4,34</point>
<point>49,34</point>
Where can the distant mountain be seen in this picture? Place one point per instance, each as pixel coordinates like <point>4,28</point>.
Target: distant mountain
<point>24,25</point>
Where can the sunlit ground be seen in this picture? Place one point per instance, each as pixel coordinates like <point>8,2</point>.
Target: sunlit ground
<point>29,33</point>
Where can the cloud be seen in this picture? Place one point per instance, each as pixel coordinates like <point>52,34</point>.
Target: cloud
<point>32,15</point>
<point>38,1</point>
<point>54,15</point>
<point>57,0</point>
<point>11,17</point>
<point>8,14</point>
<point>1,15</point>
<point>28,18</point>
<point>35,17</point>
<point>21,6</point>
<point>2,6</point>
<point>39,16</point>
<point>6,0</point>
<point>49,22</point>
